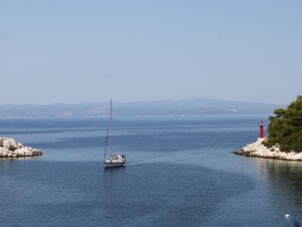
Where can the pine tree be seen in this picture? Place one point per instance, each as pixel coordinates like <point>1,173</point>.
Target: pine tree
<point>285,128</point>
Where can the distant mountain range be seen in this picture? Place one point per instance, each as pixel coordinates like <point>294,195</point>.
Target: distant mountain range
<point>193,106</point>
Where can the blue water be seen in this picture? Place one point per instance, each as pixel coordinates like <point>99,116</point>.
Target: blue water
<point>180,172</point>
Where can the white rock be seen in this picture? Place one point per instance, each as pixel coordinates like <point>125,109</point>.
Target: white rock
<point>9,143</point>
<point>10,148</point>
<point>4,152</point>
<point>257,149</point>
<point>20,145</point>
<point>23,152</point>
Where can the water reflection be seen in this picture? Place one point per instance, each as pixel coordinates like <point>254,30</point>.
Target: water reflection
<point>285,187</point>
<point>3,159</point>
<point>164,194</point>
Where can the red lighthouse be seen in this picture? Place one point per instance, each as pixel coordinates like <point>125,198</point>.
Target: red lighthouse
<point>261,134</point>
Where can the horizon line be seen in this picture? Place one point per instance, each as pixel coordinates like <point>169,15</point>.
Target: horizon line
<point>139,101</point>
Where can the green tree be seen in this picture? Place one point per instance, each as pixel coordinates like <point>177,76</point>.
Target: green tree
<point>285,128</point>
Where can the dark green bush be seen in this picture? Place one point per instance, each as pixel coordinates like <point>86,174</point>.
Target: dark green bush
<point>285,128</point>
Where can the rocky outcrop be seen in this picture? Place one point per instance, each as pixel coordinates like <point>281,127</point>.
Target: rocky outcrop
<point>257,149</point>
<point>11,148</point>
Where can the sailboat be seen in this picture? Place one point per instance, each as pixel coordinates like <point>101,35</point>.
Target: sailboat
<point>114,160</point>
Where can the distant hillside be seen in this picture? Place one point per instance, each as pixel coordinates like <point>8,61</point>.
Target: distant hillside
<point>194,106</point>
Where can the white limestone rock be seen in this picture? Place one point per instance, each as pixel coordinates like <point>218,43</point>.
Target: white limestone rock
<point>4,152</point>
<point>20,145</point>
<point>10,144</point>
<point>11,148</point>
<point>257,149</point>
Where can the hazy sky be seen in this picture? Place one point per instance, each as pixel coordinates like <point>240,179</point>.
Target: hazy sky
<point>86,51</point>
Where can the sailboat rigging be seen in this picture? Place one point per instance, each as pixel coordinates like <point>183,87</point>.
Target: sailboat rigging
<point>114,160</point>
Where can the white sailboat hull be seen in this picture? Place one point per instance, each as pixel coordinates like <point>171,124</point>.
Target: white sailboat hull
<point>113,164</point>
<point>115,161</point>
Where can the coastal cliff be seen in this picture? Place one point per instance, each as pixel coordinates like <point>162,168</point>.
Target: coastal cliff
<point>11,148</point>
<point>257,149</point>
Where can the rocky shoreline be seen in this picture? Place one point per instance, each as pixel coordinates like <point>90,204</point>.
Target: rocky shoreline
<point>11,148</point>
<point>257,149</point>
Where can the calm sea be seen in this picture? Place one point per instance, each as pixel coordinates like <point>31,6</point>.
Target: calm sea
<point>180,172</point>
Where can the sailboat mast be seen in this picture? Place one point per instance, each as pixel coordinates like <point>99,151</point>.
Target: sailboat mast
<point>110,128</point>
<point>109,133</point>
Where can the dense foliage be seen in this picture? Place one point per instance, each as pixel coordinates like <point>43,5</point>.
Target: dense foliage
<point>285,128</point>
